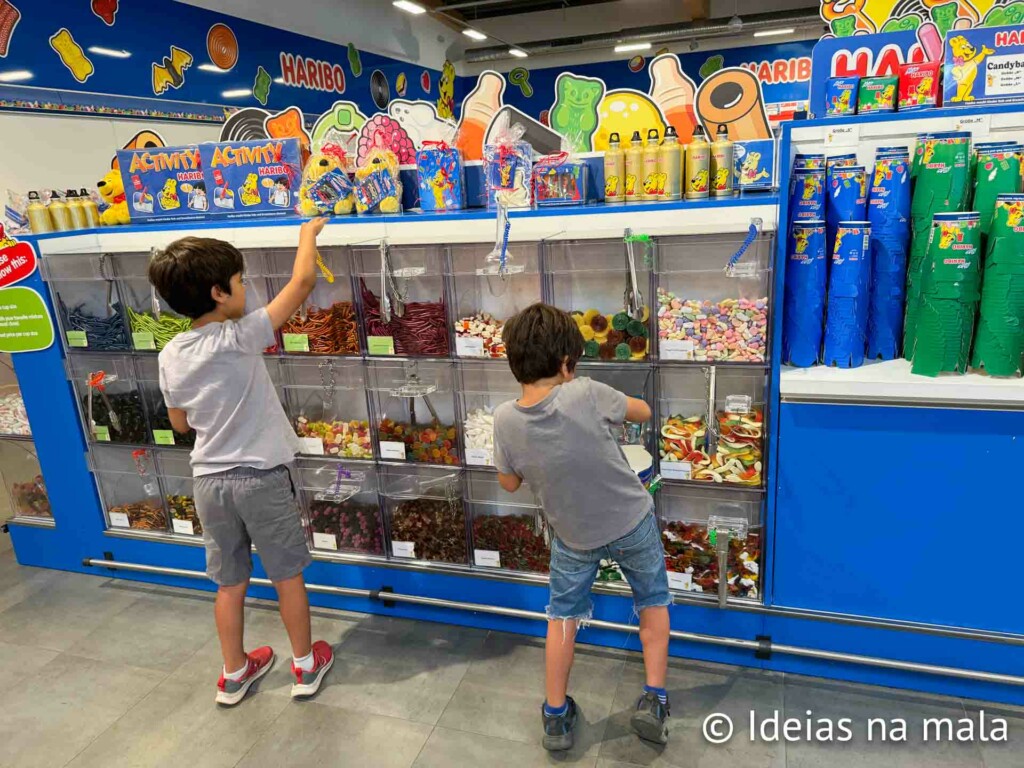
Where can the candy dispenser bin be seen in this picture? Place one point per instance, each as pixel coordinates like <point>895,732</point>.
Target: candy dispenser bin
<point>482,387</point>
<point>634,381</point>
<point>151,322</point>
<point>509,530</point>
<point>694,523</point>
<point>326,403</point>
<point>88,301</point>
<point>606,284</point>
<point>161,432</point>
<point>403,299</point>
<point>107,389</point>
<point>424,513</point>
<point>414,410</point>
<point>486,293</point>
<point>23,481</point>
<point>175,473</point>
<point>326,323</point>
<point>129,488</point>
<point>712,298</point>
<point>342,506</point>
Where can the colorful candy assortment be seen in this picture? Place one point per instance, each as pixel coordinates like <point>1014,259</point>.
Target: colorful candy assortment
<point>485,327</point>
<point>435,527</point>
<point>515,538</point>
<point>30,499</point>
<point>144,515</point>
<point>737,458</point>
<point>688,549</point>
<point>13,419</point>
<point>184,508</point>
<point>731,330</point>
<point>430,443</point>
<point>355,525</point>
<point>345,439</point>
<point>613,337</point>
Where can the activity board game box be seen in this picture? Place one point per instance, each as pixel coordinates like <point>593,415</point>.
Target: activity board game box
<point>252,178</point>
<point>164,184</point>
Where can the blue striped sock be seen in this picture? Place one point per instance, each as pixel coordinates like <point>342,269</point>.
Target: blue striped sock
<point>556,711</point>
<point>661,693</point>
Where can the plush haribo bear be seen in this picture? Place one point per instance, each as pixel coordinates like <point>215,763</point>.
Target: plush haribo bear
<point>323,160</point>
<point>112,191</point>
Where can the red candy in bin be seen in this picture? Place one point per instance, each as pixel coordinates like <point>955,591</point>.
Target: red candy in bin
<point>920,85</point>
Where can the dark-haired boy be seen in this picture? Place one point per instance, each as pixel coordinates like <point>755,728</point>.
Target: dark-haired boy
<point>557,437</point>
<point>214,380</point>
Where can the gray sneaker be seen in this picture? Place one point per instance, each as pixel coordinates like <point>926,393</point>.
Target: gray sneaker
<point>558,728</point>
<point>649,721</point>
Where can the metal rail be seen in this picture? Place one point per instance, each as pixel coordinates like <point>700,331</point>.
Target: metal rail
<point>762,647</point>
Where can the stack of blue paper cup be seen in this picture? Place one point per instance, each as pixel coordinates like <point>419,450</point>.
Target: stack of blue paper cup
<point>889,214</point>
<point>807,194</point>
<point>846,198</point>
<point>848,284</point>
<point>806,274</point>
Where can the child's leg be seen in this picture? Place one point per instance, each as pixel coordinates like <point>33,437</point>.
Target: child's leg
<point>654,630</point>
<point>294,606</point>
<point>558,655</point>
<point>229,613</point>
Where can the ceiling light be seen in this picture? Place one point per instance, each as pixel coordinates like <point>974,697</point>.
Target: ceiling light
<point>213,68</point>
<point>735,24</point>
<point>626,47</point>
<point>117,53</point>
<point>414,8</point>
<point>279,80</point>
<point>773,32</point>
<point>234,94</point>
<point>15,75</point>
<point>474,34</point>
<point>518,53</point>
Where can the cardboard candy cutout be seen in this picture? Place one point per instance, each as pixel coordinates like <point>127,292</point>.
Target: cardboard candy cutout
<point>574,113</point>
<point>675,94</point>
<point>732,97</point>
<point>421,121</point>
<point>339,124</point>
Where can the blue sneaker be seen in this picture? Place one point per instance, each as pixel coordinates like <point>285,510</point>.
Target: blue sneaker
<point>649,719</point>
<point>558,728</point>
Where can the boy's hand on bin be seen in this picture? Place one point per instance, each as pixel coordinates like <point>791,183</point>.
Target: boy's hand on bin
<point>312,227</point>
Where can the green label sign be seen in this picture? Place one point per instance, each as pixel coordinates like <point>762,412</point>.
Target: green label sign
<point>143,340</point>
<point>163,436</point>
<point>25,324</point>
<point>77,338</point>
<point>381,345</point>
<point>295,342</point>
<point>102,434</point>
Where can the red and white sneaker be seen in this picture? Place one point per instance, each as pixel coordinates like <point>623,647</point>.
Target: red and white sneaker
<point>308,683</point>
<point>230,692</point>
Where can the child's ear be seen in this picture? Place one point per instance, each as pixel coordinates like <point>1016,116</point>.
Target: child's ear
<point>219,295</point>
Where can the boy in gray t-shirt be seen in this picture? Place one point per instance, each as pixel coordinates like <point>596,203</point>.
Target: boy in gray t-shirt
<point>214,380</point>
<point>557,437</point>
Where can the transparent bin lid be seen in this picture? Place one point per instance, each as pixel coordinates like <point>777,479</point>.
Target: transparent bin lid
<point>342,506</point>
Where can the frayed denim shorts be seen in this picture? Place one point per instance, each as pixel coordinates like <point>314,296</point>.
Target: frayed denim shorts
<point>639,553</point>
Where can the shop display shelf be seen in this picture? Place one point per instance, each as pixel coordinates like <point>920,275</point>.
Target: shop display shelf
<point>23,481</point>
<point>161,432</point>
<point>87,300</point>
<point>482,387</point>
<point>150,321</point>
<point>342,506</point>
<point>175,472</point>
<point>425,514</point>
<point>325,400</point>
<point>508,529</point>
<point>129,488</point>
<point>109,397</point>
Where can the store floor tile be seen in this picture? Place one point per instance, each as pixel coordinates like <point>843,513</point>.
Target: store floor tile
<point>101,673</point>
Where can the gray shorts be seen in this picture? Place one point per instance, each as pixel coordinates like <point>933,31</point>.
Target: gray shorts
<point>244,506</point>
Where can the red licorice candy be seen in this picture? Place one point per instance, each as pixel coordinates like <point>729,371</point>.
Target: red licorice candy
<point>515,539</point>
<point>422,329</point>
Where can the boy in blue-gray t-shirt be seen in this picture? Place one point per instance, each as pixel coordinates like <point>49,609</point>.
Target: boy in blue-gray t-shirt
<point>557,437</point>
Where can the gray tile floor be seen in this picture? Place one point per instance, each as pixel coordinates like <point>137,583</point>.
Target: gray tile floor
<point>96,672</point>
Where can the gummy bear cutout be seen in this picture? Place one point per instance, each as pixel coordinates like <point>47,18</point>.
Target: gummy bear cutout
<point>574,113</point>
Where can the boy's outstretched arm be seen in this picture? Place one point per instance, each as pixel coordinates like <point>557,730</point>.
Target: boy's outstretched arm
<point>285,304</point>
<point>637,410</point>
<point>510,483</point>
<point>179,420</point>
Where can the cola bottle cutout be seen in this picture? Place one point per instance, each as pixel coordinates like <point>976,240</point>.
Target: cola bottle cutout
<point>674,93</point>
<point>478,110</point>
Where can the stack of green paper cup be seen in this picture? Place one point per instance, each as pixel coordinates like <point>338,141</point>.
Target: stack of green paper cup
<point>950,289</point>
<point>942,184</point>
<point>997,172</point>
<point>999,342</point>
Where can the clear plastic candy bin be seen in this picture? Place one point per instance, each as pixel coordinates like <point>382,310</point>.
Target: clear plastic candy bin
<point>87,298</point>
<point>129,489</point>
<point>485,295</point>
<point>691,554</point>
<point>414,410</point>
<point>712,305</point>
<point>23,480</point>
<point>161,432</point>
<point>342,506</point>
<point>711,425</point>
<point>326,323</point>
<point>403,300</point>
<point>634,381</point>
<point>482,388</point>
<point>151,322</point>
<point>425,514</point>
<point>509,530</point>
<point>326,403</point>
<point>176,477</point>
<point>608,293</point>
<point>107,389</point>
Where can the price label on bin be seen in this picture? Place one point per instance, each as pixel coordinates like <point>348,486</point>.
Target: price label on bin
<point>469,346</point>
<point>681,581</point>
<point>313,446</point>
<point>676,470</point>
<point>677,349</point>
<point>392,450</point>
<point>295,342</point>
<point>325,541</point>
<point>183,527</point>
<point>144,340</point>
<point>487,558</point>
<point>403,548</point>
<point>119,520</point>
<point>77,339</point>
<point>480,457</point>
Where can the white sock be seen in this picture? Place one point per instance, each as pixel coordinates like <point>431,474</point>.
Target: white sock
<point>305,663</point>
<point>236,676</point>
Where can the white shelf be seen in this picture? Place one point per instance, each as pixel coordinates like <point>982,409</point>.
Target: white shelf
<point>892,383</point>
<point>469,227</point>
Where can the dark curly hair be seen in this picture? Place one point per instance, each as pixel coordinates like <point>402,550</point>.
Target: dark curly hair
<point>186,271</point>
<point>538,340</point>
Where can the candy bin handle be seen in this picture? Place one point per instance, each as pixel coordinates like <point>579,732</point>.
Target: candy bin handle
<point>722,540</point>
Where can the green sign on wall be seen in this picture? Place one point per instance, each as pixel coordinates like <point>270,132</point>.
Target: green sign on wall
<point>25,324</point>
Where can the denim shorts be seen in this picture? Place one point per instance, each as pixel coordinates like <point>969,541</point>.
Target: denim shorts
<point>639,553</point>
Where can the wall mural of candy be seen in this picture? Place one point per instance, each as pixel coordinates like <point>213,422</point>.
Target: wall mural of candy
<point>862,17</point>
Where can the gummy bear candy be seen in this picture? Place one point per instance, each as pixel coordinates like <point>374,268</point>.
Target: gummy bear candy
<point>574,113</point>
<point>261,88</point>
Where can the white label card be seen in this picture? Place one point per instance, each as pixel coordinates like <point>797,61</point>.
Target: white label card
<point>675,470</point>
<point>325,541</point>
<point>487,558</point>
<point>119,520</point>
<point>979,125</point>
<point>312,445</point>
<point>184,527</point>
<point>743,269</point>
<point>469,346</point>
<point>680,581</point>
<point>403,548</point>
<point>676,349</point>
<point>480,457</point>
<point>737,403</point>
<point>392,450</point>
<point>842,136</point>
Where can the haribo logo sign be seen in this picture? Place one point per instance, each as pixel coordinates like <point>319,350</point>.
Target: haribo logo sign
<point>313,74</point>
